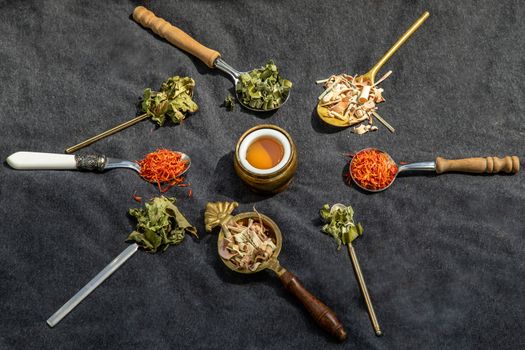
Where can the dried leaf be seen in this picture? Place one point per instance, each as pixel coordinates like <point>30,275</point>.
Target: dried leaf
<point>340,224</point>
<point>263,88</point>
<point>174,100</point>
<point>159,225</point>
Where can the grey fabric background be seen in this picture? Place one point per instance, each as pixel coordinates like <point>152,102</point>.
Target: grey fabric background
<point>443,255</point>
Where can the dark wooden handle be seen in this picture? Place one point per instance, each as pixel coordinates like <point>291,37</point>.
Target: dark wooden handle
<point>489,165</point>
<point>322,314</point>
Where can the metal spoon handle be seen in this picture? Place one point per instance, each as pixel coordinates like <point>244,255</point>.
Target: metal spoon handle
<point>322,314</point>
<point>397,45</point>
<point>107,133</point>
<point>420,166</point>
<point>489,165</point>
<point>91,285</point>
<point>56,161</point>
<point>174,35</point>
<point>364,290</point>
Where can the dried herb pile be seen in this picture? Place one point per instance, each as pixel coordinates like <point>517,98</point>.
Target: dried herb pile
<point>163,167</point>
<point>174,100</point>
<point>159,225</point>
<point>353,101</point>
<point>373,169</point>
<point>263,88</point>
<point>246,246</point>
<point>339,223</point>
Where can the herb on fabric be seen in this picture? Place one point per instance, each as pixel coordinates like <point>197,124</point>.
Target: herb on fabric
<point>229,102</point>
<point>263,88</point>
<point>173,100</point>
<point>163,167</point>
<point>246,244</point>
<point>340,224</point>
<point>159,225</point>
<point>373,169</point>
<point>353,101</point>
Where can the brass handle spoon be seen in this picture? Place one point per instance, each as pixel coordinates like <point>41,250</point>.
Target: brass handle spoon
<point>322,112</point>
<point>360,279</point>
<point>107,133</point>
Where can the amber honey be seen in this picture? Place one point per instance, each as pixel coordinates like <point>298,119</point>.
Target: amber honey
<point>265,152</point>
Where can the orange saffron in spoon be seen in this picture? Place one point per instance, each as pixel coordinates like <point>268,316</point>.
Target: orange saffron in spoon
<point>265,153</point>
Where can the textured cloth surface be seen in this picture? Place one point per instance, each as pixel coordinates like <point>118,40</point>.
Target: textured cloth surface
<point>443,256</point>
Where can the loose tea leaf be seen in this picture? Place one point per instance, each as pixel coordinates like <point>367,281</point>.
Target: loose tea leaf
<point>340,223</point>
<point>263,88</point>
<point>229,103</point>
<point>173,100</point>
<point>159,225</point>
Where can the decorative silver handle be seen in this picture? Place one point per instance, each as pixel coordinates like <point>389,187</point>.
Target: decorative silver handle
<point>91,162</point>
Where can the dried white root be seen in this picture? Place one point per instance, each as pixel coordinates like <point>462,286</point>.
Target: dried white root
<point>363,129</point>
<point>353,100</point>
<point>246,246</point>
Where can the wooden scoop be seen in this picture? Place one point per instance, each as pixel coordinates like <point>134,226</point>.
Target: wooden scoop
<point>371,74</point>
<point>218,214</point>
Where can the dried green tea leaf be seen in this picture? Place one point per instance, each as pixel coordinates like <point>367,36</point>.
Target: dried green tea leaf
<point>340,224</point>
<point>263,88</point>
<point>174,100</point>
<point>159,224</point>
<point>229,102</point>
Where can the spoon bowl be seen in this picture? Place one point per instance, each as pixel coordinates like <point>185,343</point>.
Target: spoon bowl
<point>235,75</point>
<point>274,233</point>
<point>370,189</point>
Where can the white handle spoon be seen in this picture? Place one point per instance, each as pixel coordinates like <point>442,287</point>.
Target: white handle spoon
<point>89,162</point>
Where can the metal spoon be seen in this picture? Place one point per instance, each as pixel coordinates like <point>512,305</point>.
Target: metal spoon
<point>88,162</point>
<point>218,214</point>
<point>183,41</point>
<point>322,112</point>
<point>478,165</point>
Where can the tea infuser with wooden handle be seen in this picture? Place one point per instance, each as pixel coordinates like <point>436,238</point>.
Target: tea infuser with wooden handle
<point>322,112</point>
<point>183,41</point>
<point>218,214</point>
<point>477,165</point>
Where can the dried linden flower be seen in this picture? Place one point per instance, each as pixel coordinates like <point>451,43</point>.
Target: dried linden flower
<point>173,100</point>
<point>263,88</point>
<point>159,225</point>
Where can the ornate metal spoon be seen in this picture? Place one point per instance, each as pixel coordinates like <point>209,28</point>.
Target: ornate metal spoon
<point>88,162</point>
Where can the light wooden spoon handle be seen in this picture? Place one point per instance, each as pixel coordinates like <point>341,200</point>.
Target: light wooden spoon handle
<point>174,35</point>
<point>489,165</point>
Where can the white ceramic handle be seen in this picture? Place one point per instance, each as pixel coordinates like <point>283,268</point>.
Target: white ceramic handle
<point>38,160</point>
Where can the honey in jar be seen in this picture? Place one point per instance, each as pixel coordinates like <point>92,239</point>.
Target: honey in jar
<point>264,152</point>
